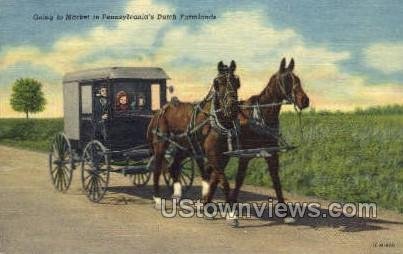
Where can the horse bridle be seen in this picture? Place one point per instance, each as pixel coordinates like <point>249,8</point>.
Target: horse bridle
<point>215,122</point>
<point>229,93</point>
<point>290,98</point>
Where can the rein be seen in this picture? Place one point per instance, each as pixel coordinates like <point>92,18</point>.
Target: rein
<point>267,105</point>
<point>290,99</point>
<point>192,128</point>
<point>222,130</point>
<point>260,121</point>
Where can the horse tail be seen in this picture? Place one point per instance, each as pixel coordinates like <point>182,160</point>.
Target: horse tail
<point>150,128</point>
<point>153,126</point>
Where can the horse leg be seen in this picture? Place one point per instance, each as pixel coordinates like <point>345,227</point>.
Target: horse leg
<point>273,166</point>
<point>232,215</point>
<point>215,171</point>
<point>209,181</point>
<point>240,177</point>
<point>223,179</point>
<point>175,172</point>
<point>218,176</point>
<point>159,152</point>
<point>205,173</point>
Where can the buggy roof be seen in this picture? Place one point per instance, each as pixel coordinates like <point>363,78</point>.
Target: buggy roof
<point>144,73</point>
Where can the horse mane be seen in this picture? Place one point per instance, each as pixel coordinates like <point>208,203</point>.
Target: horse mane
<point>257,97</point>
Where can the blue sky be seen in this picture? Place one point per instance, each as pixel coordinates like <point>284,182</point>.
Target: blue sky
<point>352,50</point>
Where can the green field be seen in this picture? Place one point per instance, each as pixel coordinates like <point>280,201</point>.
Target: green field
<point>343,157</point>
<point>33,134</point>
<point>351,157</point>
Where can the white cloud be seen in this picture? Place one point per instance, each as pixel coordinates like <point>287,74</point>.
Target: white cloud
<point>385,57</point>
<point>67,52</point>
<point>190,56</point>
<point>256,46</point>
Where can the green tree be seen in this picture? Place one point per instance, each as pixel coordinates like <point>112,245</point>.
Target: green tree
<point>27,96</point>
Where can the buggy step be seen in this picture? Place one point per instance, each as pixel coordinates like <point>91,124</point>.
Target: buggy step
<point>258,152</point>
<point>131,170</point>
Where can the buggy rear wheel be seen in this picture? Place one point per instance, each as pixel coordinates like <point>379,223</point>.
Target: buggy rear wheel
<point>141,179</point>
<point>186,177</point>
<point>61,163</point>
<point>95,170</point>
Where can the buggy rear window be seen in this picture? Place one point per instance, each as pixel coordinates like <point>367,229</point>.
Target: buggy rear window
<point>86,99</point>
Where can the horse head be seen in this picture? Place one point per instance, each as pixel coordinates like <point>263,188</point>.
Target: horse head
<point>226,86</point>
<point>288,85</point>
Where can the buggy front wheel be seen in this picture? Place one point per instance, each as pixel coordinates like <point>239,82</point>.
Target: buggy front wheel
<point>95,170</point>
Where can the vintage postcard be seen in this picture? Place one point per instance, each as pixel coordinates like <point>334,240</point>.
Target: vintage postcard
<point>159,126</point>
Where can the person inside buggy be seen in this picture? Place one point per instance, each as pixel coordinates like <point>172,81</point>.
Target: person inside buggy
<point>122,101</point>
<point>101,114</point>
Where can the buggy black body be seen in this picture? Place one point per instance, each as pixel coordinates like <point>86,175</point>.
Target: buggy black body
<point>131,95</point>
<point>106,114</point>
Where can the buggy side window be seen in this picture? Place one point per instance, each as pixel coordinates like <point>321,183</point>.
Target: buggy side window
<point>141,100</point>
<point>138,101</point>
<point>86,99</point>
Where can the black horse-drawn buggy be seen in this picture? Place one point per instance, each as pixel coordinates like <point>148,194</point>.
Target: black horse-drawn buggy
<point>106,113</point>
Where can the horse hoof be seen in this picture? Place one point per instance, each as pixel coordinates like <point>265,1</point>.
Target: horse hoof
<point>208,217</point>
<point>157,203</point>
<point>289,220</point>
<point>176,200</point>
<point>158,207</point>
<point>234,223</point>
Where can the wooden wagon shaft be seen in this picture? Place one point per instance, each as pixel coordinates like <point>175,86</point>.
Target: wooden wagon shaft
<point>258,152</point>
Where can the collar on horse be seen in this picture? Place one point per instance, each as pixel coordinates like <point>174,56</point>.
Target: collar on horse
<point>193,128</point>
<point>257,120</point>
<point>214,121</point>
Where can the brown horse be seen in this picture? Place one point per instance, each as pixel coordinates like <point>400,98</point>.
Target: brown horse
<point>189,126</point>
<point>283,86</point>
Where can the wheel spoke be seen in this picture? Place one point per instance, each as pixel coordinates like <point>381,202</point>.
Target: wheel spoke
<point>55,152</point>
<point>102,171</point>
<point>67,171</point>
<point>102,184</point>
<point>95,192</point>
<point>184,180</point>
<point>60,162</point>
<point>91,188</point>
<point>58,180</point>
<point>55,180</point>
<point>88,176</point>
<point>185,174</point>
<point>63,180</point>
<point>89,164</point>
<point>95,170</point>
<point>53,171</point>
<point>86,186</point>
<point>103,180</point>
<point>99,183</point>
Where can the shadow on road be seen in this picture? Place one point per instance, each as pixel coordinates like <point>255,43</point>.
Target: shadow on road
<point>343,223</point>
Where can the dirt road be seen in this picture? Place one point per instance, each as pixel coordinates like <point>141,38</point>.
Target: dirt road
<point>36,219</point>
